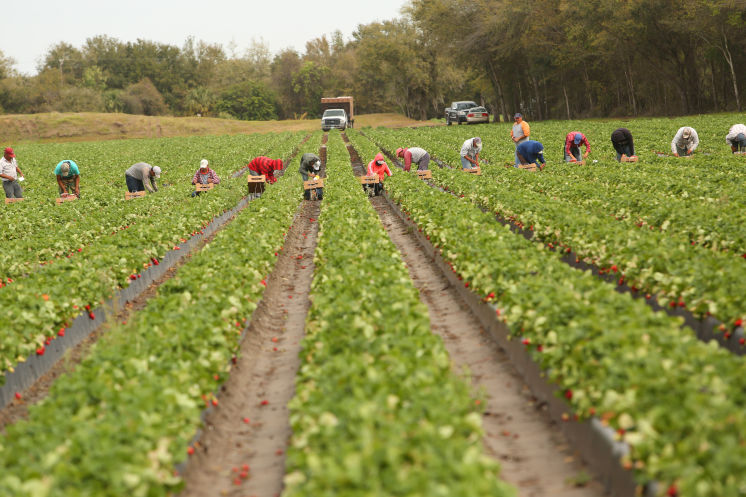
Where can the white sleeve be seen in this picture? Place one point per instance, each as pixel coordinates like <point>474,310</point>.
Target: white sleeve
<point>695,140</point>
<point>675,140</point>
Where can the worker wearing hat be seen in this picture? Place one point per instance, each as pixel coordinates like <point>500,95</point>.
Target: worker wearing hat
<point>685,142</point>
<point>378,167</point>
<point>414,154</point>
<point>470,152</point>
<point>141,177</point>
<point>310,168</point>
<point>204,176</point>
<point>265,166</point>
<point>68,177</point>
<point>736,138</point>
<point>519,133</point>
<point>11,174</point>
<point>573,141</point>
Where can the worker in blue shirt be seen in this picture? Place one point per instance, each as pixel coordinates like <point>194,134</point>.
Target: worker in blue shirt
<point>68,177</point>
<point>531,151</point>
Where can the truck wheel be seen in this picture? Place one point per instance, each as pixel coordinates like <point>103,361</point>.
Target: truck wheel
<point>344,126</point>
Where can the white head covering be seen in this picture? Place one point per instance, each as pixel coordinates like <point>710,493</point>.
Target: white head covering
<point>157,171</point>
<point>203,164</point>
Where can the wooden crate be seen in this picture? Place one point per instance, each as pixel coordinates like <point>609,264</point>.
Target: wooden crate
<point>199,187</point>
<point>427,174</point>
<point>369,180</point>
<point>13,200</point>
<point>313,184</point>
<point>528,167</point>
<point>131,195</point>
<point>476,171</point>
<point>256,184</point>
<point>66,198</point>
<point>629,159</point>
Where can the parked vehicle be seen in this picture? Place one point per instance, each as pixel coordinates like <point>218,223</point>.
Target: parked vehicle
<point>338,113</point>
<point>456,113</point>
<point>477,115</point>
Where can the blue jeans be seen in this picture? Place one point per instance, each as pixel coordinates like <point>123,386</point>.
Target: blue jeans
<point>518,162</point>
<point>465,164</point>
<point>134,184</point>
<point>626,150</point>
<point>12,189</point>
<point>575,151</point>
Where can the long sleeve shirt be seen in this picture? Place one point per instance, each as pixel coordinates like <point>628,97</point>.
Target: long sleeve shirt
<point>734,131</point>
<point>266,166</point>
<point>381,171</point>
<point>570,142</point>
<point>531,151</point>
<point>679,141</point>
<point>306,165</point>
<point>414,154</point>
<point>621,137</point>
<point>204,178</point>
<point>469,150</point>
<point>141,171</point>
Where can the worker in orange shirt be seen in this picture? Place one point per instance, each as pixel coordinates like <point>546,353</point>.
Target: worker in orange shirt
<point>519,133</point>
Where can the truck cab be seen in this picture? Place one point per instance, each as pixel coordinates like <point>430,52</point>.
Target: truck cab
<point>457,112</point>
<point>334,118</point>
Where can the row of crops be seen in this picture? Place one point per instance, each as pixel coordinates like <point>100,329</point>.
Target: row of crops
<point>674,400</point>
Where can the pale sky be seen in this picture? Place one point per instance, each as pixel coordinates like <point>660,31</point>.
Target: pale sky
<point>31,27</point>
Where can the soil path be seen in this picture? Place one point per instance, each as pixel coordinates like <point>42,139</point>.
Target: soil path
<point>532,452</point>
<point>261,383</point>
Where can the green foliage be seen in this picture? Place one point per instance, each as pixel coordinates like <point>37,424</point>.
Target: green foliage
<point>249,101</point>
<point>143,98</point>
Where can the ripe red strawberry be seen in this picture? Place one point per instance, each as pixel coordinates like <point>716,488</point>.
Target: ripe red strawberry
<point>40,351</point>
<point>133,277</point>
<point>265,402</point>
<point>614,268</point>
<point>263,282</point>
<point>526,341</point>
<point>245,467</point>
<point>80,250</point>
<point>215,402</point>
<point>237,481</point>
<point>61,332</point>
<point>568,394</point>
<point>18,396</point>
<point>246,420</point>
<point>190,450</point>
<point>466,284</point>
<point>672,491</point>
<point>738,322</point>
<point>244,475</point>
<point>88,307</point>
<point>91,315</point>
<point>177,248</point>
<point>742,341</point>
<point>275,349</point>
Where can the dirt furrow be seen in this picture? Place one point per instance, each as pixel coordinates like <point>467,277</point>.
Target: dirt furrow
<point>250,427</point>
<point>519,433</point>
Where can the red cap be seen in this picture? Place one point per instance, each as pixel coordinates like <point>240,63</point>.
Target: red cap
<point>9,151</point>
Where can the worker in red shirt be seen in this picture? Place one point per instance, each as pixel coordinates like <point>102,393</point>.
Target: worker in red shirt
<point>573,141</point>
<point>266,166</point>
<point>378,167</point>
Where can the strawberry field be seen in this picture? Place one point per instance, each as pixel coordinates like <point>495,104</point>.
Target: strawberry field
<point>612,278</point>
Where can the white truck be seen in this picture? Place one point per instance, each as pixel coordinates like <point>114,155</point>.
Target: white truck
<point>337,113</point>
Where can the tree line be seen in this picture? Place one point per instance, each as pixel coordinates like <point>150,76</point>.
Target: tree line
<point>544,58</point>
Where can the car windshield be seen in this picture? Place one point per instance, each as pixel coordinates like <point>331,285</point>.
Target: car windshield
<point>479,109</point>
<point>465,105</point>
<point>334,113</point>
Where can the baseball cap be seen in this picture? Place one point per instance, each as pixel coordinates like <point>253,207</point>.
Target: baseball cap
<point>203,164</point>
<point>65,168</point>
<point>399,151</point>
<point>578,138</point>
<point>687,132</point>
<point>157,171</point>
<point>316,165</point>
<point>10,152</point>
<point>517,115</point>
<point>477,140</point>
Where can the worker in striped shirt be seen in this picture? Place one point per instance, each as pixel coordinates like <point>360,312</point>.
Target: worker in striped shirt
<point>265,166</point>
<point>414,154</point>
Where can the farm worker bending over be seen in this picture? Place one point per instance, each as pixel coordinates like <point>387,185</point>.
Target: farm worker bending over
<point>204,176</point>
<point>519,133</point>
<point>310,167</point>
<point>573,142</point>
<point>685,142</point>
<point>141,177</point>
<point>531,151</point>
<point>470,152</point>
<point>68,177</point>
<point>10,173</point>
<point>622,141</point>
<point>266,166</point>
<point>736,138</point>
<point>414,154</point>
<point>378,167</point>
